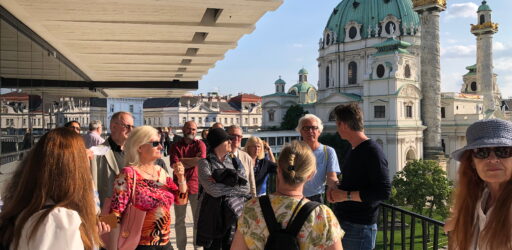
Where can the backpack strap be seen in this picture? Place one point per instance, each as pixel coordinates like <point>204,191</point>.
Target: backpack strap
<point>294,227</point>
<point>268,214</point>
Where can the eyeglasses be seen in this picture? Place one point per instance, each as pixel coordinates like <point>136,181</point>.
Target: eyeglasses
<point>236,137</point>
<point>75,128</point>
<point>307,128</point>
<point>500,152</point>
<point>154,143</point>
<point>126,126</point>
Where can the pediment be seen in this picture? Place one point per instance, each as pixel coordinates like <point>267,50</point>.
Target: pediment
<point>340,98</point>
<point>410,91</point>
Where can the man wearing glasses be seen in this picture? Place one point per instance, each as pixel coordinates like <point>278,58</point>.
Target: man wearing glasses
<point>109,156</point>
<point>74,125</point>
<point>365,182</point>
<point>236,132</point>
<point>327,167</point>
<point>188,151</point>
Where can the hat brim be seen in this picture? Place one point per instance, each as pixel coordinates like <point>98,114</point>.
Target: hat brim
<point>483,143</point>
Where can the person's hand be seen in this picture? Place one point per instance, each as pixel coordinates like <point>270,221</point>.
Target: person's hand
<point>334,195</point>
<point>103,227</point>
<point>178,168</point>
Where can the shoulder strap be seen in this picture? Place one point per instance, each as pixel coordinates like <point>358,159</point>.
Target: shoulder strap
<point>294,227</point>
<point>326,153</point>
<point>268,214</point>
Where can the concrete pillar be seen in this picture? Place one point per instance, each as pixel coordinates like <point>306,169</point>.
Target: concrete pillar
<point>431,76</point>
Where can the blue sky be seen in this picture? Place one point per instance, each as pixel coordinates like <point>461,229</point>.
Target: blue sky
<point>287,39</point>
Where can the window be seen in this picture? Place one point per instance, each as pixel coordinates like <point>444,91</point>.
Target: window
<point>380,71</point>
<point>232,120</point>
<point>443,112</point>
<point>280,140</point>
<point>170,121</point>
<point>379,111</point>
<point>407,70</point>
<point>206,119</point>
<point>352,73</point>
<point>237,120</point>
<point>246,121</point>
<point>271,116</point>
<point>214,119</point>
<point>327,39</point>
<point>111,107</point>
<point>254,121</point>
<point>39,121</point>
<point>408,111</point>
<point>193,119</point>
<point>200,120</point>
<point>352,32</point>
<point>24,122</point>
<point>184,120</point>
<point>293,92</point>
<point>226,120</point>
<point>131,109</point>
<point>473,86</point>
<point>327,77</point>
<point>482,19</point>
<point>149,121</point>
<point>332,116</point>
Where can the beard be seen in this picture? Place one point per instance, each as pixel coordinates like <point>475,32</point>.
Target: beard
<point>190,136</point>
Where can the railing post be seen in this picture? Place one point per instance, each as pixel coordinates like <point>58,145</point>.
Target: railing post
<point>392,237</point>
<point>413,232</point>
<point>424,233</point>
<point>402,229</point>
<point>436,237</point>
<point>384,227</point>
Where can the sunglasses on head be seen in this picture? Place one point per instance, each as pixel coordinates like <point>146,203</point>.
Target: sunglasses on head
<point>500,152</point>
<point>154,143</point>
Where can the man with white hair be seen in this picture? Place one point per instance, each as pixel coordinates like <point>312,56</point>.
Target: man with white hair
<point>327,167</point>
<point>93,136</point>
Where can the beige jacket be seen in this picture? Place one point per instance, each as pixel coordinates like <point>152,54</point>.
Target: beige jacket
<point>249,169</point>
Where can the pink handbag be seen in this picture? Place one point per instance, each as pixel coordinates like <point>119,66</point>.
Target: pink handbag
<point>128,234</point>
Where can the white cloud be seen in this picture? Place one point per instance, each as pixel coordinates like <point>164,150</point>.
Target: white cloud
<point>459,51</point>
<point>461,10</point>
<point>505,84</point>
<point>503,63</point>
<point>451,82</point>
<point>498,46</point>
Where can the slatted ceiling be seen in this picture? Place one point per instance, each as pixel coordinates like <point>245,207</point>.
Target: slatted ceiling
<point>132,40</point>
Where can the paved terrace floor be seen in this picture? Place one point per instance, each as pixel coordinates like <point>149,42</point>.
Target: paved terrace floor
<point>7,169</point>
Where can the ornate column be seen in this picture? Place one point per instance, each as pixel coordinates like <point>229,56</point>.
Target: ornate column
<point>429,11</point>
<point>484,65</point>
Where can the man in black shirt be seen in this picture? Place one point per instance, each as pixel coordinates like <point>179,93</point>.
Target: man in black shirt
<point>365,181</point>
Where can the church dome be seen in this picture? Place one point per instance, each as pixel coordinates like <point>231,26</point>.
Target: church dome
<point>303,71</point>
<point>301,87</point>
<point>370,14</point>
<point>279,81</point>
<point>484,7</point>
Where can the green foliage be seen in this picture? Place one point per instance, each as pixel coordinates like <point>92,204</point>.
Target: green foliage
<point>334,140</point>
<point>422,184</point>
<point>292,116</point>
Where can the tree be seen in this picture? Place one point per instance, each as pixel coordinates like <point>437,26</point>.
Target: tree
<point>292,116</point>
<point>422,184</point>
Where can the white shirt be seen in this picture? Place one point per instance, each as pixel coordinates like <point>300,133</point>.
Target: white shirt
<point>481,218</point>
<point>59,230</point>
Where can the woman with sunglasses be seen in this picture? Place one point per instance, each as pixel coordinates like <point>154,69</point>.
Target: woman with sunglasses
<point>482,215</point>
<point>155,191</point>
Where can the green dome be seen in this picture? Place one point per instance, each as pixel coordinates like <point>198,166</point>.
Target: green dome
<point>369,13</point>
<point>279,81</point>
<point>302,87</point>
<point>484,7</point>
<point>303,71</point>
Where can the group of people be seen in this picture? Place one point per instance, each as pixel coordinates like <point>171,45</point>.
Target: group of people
<point>54,198</point>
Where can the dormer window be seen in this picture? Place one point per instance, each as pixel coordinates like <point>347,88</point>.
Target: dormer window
<point>391,26</point>
<point>352,31</point>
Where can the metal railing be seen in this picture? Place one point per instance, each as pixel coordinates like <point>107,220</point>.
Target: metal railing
<point>404,221</point>
<point>12,157</point>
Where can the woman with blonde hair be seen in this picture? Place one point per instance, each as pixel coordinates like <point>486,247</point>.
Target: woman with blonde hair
<point>49,202</point>
<point>482,215</point>
<point>154,191</point>
<point>321,229</point>
<point>256,148</point>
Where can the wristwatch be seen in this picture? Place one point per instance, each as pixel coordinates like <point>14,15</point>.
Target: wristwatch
<point>349,196</point>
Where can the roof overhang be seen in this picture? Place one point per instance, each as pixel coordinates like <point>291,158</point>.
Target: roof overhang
<point>152,48</point>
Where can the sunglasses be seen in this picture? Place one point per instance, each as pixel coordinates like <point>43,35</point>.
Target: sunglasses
<point>500,152</point>
<point>154,143</point>
<point>236,137</point>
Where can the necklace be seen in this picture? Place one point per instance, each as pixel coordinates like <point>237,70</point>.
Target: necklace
<point>152,174</point>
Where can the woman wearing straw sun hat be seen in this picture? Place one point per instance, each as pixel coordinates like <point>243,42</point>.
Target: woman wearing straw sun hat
<point>482,213</point>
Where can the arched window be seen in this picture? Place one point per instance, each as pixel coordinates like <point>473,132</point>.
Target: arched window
<point>293,92</point>
<point>352,73</point>
<point>352,32</point>
<point>327,39</point>
<point>482,19</point>
<point>380,71</point>
<point>407,70</point>
<point>327,77</point>
<point>332,116</point>
<point>473,86</point>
